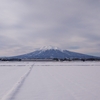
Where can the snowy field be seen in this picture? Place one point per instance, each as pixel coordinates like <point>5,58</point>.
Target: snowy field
<point>49,80</point>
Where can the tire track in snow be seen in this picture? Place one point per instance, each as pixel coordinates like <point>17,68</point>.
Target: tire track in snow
<point>16,88</point>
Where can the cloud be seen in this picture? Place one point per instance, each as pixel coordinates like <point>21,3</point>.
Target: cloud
<point>68,24</point>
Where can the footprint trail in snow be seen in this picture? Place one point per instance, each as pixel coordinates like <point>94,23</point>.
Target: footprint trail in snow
<point>16,88</point>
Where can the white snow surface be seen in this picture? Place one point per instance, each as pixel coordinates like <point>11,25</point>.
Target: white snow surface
<point>49,80</point>
<point>49,48</point>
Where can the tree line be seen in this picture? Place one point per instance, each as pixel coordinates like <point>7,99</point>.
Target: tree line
<point>10,59</point>
<point>54,59</point>
<point>77,59</point>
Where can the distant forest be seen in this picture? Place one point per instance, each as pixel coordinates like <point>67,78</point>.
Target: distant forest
<point>77,59</point>
<point>53,59</point>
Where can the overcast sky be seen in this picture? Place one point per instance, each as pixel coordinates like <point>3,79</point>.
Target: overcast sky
<point>68,24</point>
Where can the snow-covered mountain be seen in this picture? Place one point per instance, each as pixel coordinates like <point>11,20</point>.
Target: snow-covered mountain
<point>52,52</point>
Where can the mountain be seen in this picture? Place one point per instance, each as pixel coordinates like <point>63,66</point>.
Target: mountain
<point>53,52</point>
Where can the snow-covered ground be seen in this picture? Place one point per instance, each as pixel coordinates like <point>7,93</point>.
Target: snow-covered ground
<point>49,80</point>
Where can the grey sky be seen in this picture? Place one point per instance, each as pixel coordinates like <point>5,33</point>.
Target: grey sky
<point>68,24</point>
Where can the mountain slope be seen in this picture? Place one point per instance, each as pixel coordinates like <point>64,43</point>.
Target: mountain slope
<point>53,52</point>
